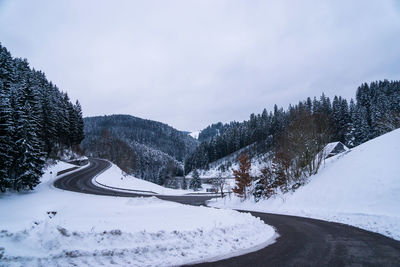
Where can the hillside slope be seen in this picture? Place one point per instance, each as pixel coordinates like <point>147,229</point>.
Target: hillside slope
<point>360,187</point>
<point>374,111</point>
<point>153,134</point>
<point>147,149</point>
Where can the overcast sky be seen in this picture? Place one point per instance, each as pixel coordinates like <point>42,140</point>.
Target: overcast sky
<point>192,63</point>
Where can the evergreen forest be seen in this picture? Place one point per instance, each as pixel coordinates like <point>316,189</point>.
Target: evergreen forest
<point>302,130</point>
<point>37,122</point>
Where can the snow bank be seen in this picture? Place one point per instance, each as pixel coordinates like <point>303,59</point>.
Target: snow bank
<point>115,179</point>
<point>54,227</point>
<point>360,187</point>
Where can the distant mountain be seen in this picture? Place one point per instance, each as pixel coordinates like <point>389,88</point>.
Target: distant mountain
<point>147,149</point>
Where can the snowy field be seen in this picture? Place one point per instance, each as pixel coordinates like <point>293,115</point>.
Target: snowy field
<point>59,228</point>
<point>360,188</point>
<point>117,180</point>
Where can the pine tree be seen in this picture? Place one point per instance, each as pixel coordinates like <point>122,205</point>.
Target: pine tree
<point>259,190</point>
<point>184,183</point>
<point>6,145</point>
<point>242,176</point>
<point>362,129</point>
<point>350,128</point>
<point>79,124</point>
<point>73,123</point>
<point>28,163</point>
<point>7,73</point>
<point>337,116</point>
<point>195,182</point>
<point>63,123</point>
<point>48,124</point>
<point>265,186</point>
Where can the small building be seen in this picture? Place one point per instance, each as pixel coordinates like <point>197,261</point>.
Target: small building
<point>332,149</point>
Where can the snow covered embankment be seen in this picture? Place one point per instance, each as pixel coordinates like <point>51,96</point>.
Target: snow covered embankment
<point>53,227</point>
<point>359,188</point>
<point>117,180</point>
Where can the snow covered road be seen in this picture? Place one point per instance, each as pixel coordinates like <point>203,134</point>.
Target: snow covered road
<point>82,183</point>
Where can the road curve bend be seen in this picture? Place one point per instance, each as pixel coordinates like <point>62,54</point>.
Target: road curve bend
<point>302,241</point>
<point>81,181</point>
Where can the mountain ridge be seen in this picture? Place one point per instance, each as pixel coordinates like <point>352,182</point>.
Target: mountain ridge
<point>150,150</point>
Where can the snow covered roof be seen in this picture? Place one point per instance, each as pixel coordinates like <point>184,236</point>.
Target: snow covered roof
<point>334,148</point>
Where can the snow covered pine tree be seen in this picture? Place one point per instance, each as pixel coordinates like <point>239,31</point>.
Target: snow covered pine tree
<point>34,125</point>
<point>195,182</point>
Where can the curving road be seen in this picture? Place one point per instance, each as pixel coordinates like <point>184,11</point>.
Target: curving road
<point>302,241</point>
<point>81,181</point>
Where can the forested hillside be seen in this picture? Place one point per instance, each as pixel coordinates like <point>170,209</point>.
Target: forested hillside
<point>147,149</point>
<point>297,134</point>
<point>212,130</point>
<point>37,121</point>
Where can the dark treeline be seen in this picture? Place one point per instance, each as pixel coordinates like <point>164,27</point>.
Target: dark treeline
<point>146,149</point>
<point>37,121</point>
<point>375,111</point>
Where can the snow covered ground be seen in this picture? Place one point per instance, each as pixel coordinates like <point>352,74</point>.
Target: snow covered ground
<point>195,134</point>
<point>53,227</point>
<point>257,163</point>
<point>360,187</point>
<point>115,179</point>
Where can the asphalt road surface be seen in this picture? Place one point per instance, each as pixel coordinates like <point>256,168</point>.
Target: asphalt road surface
<point>81,181</point>
<point>302,241</point>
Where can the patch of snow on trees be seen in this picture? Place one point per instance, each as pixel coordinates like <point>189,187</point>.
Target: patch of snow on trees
<point>37,121</point>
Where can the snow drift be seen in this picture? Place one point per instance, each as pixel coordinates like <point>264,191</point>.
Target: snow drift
<point>117,180</point>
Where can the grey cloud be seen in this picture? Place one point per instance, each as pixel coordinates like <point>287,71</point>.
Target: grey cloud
<point>191,63</point>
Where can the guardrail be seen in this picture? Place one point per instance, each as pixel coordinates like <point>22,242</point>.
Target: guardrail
<point>67,170</point>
